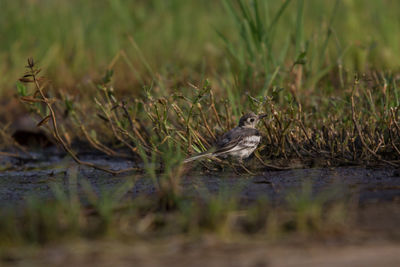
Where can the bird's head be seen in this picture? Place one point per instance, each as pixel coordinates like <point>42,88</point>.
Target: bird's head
<point>250,120</point>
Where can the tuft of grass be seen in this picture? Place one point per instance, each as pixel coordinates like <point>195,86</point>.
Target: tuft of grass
<point>79,212</point>
<point>314,213</point>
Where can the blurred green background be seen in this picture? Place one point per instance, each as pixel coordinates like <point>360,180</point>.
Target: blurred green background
<point>179,40</point>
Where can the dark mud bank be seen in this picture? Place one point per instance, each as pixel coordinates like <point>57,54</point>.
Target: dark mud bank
<point>20,180</point>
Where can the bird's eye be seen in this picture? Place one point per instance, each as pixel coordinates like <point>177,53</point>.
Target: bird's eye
<point>251,120</point>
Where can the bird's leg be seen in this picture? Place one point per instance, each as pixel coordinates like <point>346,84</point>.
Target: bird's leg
<point>235,170</point>
<point>247,170</point>
<point>233,165</point>
<point>241,164</point>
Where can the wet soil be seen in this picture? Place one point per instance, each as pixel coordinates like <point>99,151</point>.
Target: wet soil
<point>22,178</point>
<point>375,190</point>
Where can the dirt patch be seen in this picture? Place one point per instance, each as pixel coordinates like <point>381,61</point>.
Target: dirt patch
<point>207,252</point>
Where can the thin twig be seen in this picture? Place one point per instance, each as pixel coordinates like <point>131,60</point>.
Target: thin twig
<point>270,165</point>
<point>56,133</point>
<point>12,155</point>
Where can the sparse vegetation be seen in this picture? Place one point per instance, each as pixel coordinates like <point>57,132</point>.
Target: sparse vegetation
<point>112,215</point>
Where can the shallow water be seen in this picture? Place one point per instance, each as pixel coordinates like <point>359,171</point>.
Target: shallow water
<point>21,179</point>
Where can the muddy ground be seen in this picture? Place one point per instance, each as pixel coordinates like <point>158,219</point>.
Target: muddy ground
<point>210,253</point>
<point>376,190</point>
<point>21,178</point>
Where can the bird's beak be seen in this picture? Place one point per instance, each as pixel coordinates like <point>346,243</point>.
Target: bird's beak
<point>263,115</point>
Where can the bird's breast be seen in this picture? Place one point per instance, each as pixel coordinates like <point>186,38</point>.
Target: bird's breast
<point>252,140</point>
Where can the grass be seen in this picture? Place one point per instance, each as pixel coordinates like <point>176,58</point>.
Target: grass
<point>179,74</point>
<point>78,212</point>
<point>181,37</point>
<point>356,127</point>
<point>305,82</point>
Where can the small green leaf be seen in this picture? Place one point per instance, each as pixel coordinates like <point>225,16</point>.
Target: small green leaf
<point>21,89</point>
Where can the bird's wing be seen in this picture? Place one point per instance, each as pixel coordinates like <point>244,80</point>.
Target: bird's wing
<point>235,140</point>
<point>228,146</point>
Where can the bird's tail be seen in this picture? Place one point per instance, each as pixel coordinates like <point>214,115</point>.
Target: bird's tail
<point>198,156</point>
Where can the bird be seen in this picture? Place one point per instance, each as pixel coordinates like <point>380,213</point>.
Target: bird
<point>240,142</point>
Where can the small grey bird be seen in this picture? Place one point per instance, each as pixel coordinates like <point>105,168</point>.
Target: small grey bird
<point>239,142</point>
